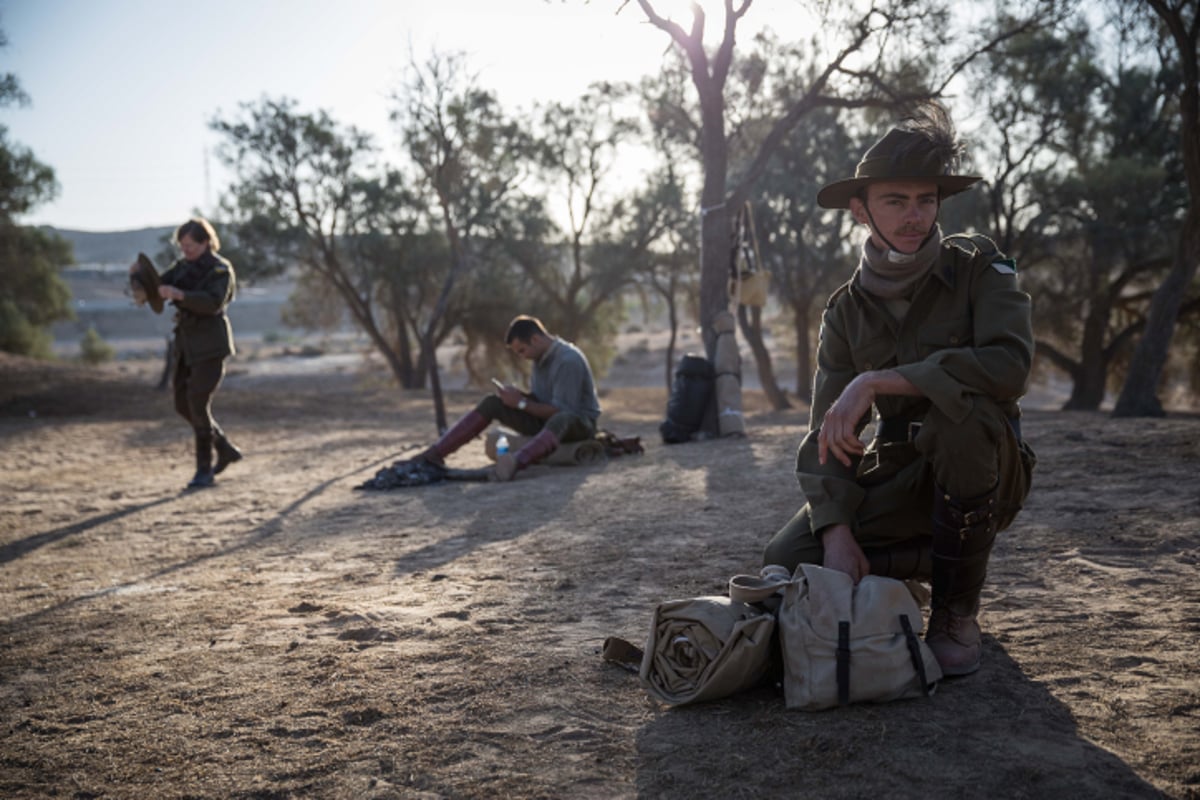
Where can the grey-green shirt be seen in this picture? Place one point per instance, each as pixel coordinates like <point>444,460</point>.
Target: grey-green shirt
<point>562,378</point>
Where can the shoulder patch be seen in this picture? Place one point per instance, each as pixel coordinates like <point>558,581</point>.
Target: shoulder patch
<point>841,290</point>
<point>975,243</point>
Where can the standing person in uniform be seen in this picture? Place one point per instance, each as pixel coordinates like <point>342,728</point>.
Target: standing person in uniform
<point>560,406</point>
<point>201,285</point>
<point>933,334</point>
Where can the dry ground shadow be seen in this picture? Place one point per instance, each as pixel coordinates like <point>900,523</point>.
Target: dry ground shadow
<point>286,636</point>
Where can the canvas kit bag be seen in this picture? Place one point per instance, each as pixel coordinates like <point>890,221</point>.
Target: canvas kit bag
<point>839,642</point>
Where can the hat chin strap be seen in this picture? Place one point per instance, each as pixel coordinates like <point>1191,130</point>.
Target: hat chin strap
<point>893,254</point>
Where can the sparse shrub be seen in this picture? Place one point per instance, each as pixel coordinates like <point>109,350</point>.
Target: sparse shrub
<point>93,349</point>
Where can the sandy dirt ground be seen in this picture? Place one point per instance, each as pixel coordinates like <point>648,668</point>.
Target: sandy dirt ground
<point>283,635</point>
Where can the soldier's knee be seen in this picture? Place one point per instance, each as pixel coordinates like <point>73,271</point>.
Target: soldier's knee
<point>794,544</point>
<point>560,425</point>
<point>966,454</point>
<point>490,406</point>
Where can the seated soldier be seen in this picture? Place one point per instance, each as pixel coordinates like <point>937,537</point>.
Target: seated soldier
<point>561,405</point>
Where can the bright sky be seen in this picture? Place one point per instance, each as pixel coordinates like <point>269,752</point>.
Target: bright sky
<point>123,90</point>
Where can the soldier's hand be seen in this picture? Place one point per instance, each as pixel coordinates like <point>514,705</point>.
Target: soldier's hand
<point>843,553</point>
<point>170,293</point>
<point>509,395</point>
<point>839,434</point>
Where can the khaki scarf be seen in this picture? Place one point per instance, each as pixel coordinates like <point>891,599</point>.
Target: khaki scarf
<point>890,275</point>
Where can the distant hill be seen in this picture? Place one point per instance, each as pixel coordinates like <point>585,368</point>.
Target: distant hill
<point>113,247</point>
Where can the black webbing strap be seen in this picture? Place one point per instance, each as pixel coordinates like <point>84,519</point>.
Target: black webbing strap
<point>625,655</point>
<point>914,652</point>
<point>843,663</point>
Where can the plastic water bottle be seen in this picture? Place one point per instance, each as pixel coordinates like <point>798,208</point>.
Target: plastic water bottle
<point>502,445</point>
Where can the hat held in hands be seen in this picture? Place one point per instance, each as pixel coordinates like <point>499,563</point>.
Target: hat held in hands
<point>143,283</point>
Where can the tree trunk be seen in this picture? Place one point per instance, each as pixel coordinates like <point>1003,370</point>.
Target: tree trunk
<point>1088,384</point>
<point>673,316</point>
<point>435,382</point>
<point>1139,395</point>
<point>804,367</point>
<point>714,265</point>
<point>751,324</point>
<point>1089,378</point>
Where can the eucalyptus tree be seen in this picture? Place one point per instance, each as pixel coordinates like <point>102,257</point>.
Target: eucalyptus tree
<point>471,160</point>
<point>307,193</point>
<point>1081,190</point>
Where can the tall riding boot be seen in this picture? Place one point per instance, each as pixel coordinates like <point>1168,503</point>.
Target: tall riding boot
<point>226,452</point>
<point>963,532</point>
<point>471,425</point>
<point>537,448</point>
<point>908,560</point>
<point>204,453</point>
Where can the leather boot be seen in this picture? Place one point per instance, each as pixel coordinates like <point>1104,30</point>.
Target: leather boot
<point>537,448</point>
<point>963,533</point>
<point>204,471</point>
<point>226,452</point>
<point>471,425</point>
<point>911,560</point>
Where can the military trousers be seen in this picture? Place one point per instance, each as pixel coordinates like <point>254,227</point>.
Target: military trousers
<point>965,459</point>
<point>194,385</point>
<point>567,427</point>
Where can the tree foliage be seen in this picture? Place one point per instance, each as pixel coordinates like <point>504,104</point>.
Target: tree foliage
<point>307,193</point>
<point>32,292</point>
<point>470,160</point>
<point>1083,191</point>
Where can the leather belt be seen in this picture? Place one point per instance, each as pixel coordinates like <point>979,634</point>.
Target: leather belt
<point>891,430</point>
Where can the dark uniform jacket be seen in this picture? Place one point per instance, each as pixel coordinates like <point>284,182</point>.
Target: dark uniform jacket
<point>202,330</point>
<point>968,333</point>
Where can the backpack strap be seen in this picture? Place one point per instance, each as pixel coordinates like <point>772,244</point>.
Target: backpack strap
<point>625,655</point>
<point>759,588</point>
<point>843,663</point>
<point>914,653</point>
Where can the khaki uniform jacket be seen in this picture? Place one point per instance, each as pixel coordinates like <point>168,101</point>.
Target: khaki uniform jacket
<point>968,333</point>
<point>202,330</point>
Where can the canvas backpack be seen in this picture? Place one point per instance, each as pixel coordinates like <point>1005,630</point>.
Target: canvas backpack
<point>843,642</point>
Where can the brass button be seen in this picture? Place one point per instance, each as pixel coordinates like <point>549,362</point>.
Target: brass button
<point>953,340</point>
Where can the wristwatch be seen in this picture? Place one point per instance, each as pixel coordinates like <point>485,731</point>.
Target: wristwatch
<point>522,403</point>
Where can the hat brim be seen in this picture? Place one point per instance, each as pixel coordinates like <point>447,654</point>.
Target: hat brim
<point>147,276</point>
<point>838,194</point>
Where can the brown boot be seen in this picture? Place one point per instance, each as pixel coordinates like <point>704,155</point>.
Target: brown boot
<point>471,425</point>
<point>955,641</point>
<point>963,533</point>
<point>537,448</point>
